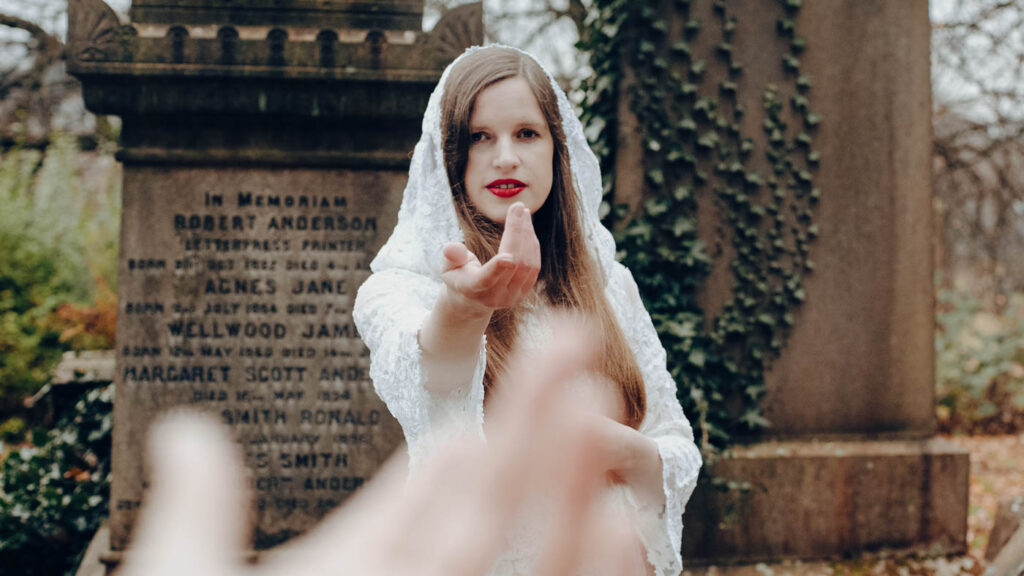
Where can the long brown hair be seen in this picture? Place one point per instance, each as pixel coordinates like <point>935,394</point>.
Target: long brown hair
<point>569,275</point>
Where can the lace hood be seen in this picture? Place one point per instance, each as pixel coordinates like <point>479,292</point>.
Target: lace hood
<point>427,219</point>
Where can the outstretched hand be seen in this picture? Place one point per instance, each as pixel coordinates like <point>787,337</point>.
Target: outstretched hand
<point>507,278</point>
<point>449,519</point>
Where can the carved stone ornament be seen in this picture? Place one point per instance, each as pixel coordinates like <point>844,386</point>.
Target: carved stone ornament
<point>458,29</point>
<point>94,31</point>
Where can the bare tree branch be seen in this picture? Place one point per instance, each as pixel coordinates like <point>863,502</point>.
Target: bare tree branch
<point>978,69</point>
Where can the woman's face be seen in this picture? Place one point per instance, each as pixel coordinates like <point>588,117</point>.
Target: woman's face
<point>510,150</point>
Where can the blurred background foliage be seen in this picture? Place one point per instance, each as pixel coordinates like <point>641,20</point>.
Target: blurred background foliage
<point>979,360</point>
<point>59,220</point>
<point>58,261</point>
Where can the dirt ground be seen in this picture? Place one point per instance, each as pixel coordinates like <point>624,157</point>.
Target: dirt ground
<point>997,470</point>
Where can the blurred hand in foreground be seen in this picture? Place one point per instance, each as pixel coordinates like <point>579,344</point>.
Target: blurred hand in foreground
<point>448,519</point>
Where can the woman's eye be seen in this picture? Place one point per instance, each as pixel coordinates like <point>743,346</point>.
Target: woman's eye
<point>528,133</point>
<point>476,137</point>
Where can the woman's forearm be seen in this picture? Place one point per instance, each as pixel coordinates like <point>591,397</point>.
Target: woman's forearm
<point>450,341</point>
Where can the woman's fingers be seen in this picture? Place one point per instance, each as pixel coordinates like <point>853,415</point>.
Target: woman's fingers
<point>517,227</point>
<point>520,240</point>
<point>507,277</point>
<point>496,275</point>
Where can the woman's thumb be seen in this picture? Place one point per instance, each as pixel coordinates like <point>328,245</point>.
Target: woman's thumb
<point>457,256</point>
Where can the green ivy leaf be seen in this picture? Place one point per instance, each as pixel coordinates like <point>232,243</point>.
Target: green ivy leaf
<point>681,193</point>
<point>708,140</point>
<point>798,44</point>
<point>790,63</point>
<point>684,330</point>
<point>655,207</point>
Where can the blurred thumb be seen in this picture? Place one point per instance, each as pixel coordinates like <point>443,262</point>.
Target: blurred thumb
<point>193,518</point>
<point>457,256</point>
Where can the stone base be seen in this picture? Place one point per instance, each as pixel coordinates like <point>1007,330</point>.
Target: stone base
<point>92,562</point>
<point>809,500</point>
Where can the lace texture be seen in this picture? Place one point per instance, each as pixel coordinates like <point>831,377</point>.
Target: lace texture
<point>393,303</point>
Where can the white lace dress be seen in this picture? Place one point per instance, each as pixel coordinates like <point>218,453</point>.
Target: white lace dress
<point>393,303</point>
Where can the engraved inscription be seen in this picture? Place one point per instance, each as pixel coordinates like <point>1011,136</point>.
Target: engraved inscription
<point>236,300</point>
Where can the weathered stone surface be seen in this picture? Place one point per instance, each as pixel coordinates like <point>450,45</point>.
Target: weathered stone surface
<point>87,366</point>
<point>100,45</point>
<point>92,564</point>
<point>1010,561</point>
<point>802,499</point>
<point>1009,519</point>
<point>860,359</point>
<point>380,14</point>
<point>235,295</point>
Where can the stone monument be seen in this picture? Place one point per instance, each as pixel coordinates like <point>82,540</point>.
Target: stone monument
<point>265,147</point>
<point>851,462</point>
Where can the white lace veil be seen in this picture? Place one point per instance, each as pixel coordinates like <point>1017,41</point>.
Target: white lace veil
<point>427,219</point>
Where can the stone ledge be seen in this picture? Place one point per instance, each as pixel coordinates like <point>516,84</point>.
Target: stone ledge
<point>807,500</point>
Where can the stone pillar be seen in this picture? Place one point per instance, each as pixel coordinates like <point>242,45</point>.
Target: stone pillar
<point>265,148</point>
<point>850,462</point>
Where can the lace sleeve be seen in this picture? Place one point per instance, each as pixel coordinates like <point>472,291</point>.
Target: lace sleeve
<point>389,311</point>
<point>660,530</point>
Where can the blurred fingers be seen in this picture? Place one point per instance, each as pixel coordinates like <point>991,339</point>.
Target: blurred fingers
<point>193,518</point>
<point>353,538</point>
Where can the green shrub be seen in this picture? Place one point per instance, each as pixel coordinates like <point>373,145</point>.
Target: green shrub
<point>979,365</point>
<point>54,497</point>
<point>12,430</point>
<point>58,242</point>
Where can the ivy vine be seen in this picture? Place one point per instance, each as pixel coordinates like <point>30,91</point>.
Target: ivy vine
<point>697,155</point>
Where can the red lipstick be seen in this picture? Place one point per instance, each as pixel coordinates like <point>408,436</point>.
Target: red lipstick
<point>506,187</point>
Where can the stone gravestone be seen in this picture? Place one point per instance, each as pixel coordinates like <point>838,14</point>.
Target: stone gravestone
<point>851,462</point>
<point>265,147</point>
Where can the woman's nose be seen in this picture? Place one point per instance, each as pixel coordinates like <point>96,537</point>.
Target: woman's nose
<point>506,157</point>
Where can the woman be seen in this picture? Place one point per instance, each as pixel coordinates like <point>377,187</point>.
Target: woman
<point>498,228</point>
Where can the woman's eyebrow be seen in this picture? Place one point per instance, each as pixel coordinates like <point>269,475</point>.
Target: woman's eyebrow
<point>519,122</point>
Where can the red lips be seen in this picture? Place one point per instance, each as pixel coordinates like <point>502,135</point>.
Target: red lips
<point>506,187</point>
